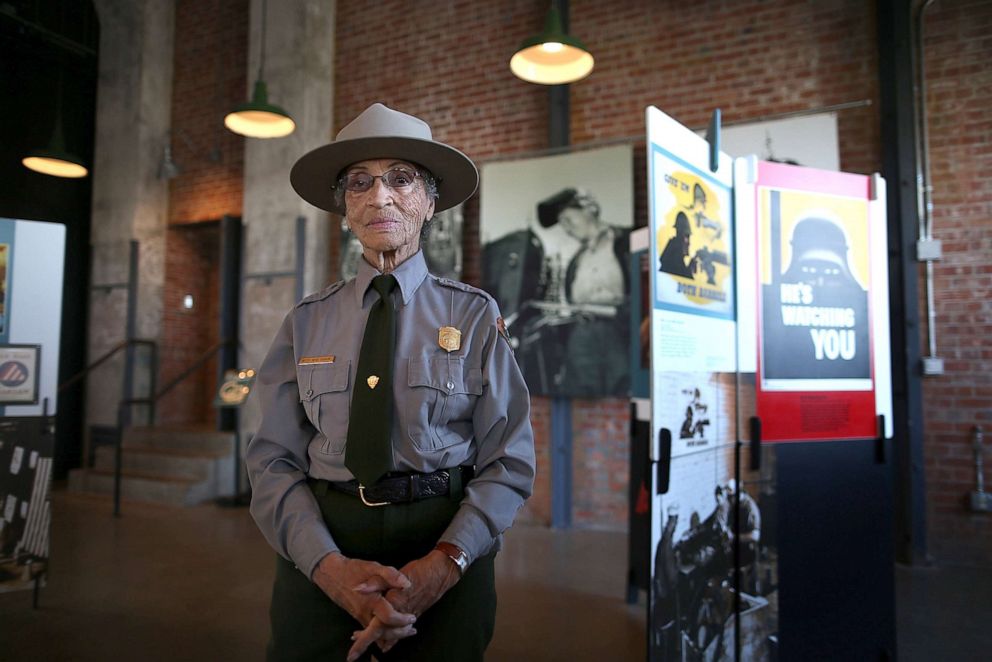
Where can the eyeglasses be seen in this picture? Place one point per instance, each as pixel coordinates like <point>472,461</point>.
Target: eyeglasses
<point>397,178</point>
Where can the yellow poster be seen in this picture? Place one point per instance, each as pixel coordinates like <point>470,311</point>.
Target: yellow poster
<point>694,242</point>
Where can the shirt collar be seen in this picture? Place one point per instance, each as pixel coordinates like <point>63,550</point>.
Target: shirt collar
<point>409,275</point>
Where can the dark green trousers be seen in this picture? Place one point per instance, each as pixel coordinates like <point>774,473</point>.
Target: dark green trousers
<point>307,625</point>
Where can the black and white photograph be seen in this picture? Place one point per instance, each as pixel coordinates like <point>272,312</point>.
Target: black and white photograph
<point>694,593</point>
<point>555,245</point>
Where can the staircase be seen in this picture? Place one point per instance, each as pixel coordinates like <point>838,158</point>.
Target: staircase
<point>179,466</point>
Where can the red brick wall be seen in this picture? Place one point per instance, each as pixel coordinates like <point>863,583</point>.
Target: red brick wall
<point>958,49</point>
<point>748,58</point>
<point>209,79</point>
<point>191,267</point>
<point>600,462</point>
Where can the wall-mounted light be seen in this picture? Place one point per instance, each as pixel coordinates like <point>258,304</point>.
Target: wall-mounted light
<point>55,160</point>
<point>552,57</point>
<point>168,168</point>
<point>188,302</point>
<point>258,118</point>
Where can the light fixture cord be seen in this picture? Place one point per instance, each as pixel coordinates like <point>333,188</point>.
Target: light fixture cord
<point>261,60</point>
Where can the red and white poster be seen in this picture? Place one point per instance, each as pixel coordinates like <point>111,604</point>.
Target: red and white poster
<point>818,242</point>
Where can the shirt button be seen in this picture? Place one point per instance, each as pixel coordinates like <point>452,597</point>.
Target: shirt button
<point>451,386</point>
<point>309,392</point>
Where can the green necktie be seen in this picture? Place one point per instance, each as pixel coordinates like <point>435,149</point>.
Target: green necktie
<point>369,450</point>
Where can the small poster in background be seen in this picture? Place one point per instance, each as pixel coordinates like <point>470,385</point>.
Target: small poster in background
<point>694,238</point>
<point>19,374</point>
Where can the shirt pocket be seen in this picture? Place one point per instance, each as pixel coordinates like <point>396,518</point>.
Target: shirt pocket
<point>326,398</point>
<point>441,398</point>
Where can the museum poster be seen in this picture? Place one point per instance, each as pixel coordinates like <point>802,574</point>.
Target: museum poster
<point>555,233</point>
<point>695,604</point>
<point>814,284</point>
<point>31,269</point>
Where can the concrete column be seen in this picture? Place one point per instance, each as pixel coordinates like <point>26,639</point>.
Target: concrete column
<point>134,96</point>
<point>299,58</point>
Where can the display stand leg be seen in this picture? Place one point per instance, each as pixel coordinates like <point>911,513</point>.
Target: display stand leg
<point>632,591</point>
<point>880,441</point>
<point>237,499</point>
<point>37,591</point>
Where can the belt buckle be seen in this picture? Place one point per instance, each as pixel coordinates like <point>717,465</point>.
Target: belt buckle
<point>371,504</point>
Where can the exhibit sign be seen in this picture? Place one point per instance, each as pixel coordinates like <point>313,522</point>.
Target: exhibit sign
<point>701,605</point>
<point>31,269</point>
<point>820,346</point>
<point>32,256</point>
<point>19,374</point>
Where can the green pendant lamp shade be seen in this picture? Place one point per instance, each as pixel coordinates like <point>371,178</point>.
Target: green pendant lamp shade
<point>552,57</point>
<point>55,160</point>
<point>258,118</point>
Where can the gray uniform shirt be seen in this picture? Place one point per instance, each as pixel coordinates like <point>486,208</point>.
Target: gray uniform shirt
<point>465,407</point>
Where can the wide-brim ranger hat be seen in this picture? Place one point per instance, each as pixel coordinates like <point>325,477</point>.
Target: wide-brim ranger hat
<point>383,133</point>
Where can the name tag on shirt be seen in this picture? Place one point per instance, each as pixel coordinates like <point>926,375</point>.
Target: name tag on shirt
<point>316,360</point>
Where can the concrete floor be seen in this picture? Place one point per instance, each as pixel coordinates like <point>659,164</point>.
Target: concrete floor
<point>165,583</point>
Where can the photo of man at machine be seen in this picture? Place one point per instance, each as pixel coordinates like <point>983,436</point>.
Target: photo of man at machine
<point>567,314</point>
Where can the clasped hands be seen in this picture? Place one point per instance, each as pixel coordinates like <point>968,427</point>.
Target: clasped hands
<point>386,601</point>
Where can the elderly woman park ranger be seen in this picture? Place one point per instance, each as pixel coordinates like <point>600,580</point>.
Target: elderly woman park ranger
<point>395,444</point>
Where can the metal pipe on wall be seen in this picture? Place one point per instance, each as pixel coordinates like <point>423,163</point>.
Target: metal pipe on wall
<point>928,250</point>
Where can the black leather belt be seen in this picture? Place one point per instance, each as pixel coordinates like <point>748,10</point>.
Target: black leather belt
<point>405,487</point>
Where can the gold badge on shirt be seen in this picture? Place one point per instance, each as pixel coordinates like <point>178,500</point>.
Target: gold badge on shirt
<point>372,381</point>
<point>449,338</point>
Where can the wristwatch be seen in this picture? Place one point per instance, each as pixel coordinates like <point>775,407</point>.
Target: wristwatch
<point>454,553</point>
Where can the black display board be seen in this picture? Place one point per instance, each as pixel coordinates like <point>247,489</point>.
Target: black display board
<point>836,573</point>
<point>26,446</point>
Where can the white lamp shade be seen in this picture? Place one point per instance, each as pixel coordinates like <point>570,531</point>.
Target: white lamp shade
<point>56,167</point>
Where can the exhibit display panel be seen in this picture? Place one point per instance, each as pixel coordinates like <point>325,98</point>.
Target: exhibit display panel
<point>770,407</point>
<point>31,270</point>
<point>815,392</point>
<point>712,591</point>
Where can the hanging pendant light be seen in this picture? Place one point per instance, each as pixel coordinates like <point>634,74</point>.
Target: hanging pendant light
<point>552,57</point>
<point>56,160</point>
<point>258,118</point>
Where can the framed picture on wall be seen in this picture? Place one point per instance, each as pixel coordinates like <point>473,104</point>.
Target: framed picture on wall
<point>555,234</point>
<point>19,366</point>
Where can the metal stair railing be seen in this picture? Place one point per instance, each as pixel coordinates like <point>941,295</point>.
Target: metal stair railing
<point>126,402</point>
<point>123,413</point>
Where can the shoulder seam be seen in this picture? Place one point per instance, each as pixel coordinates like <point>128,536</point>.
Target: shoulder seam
<point>464,287</point>
<point>322,294</point>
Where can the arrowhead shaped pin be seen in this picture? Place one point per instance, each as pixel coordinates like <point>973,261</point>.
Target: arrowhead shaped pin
<point>372,381</point>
